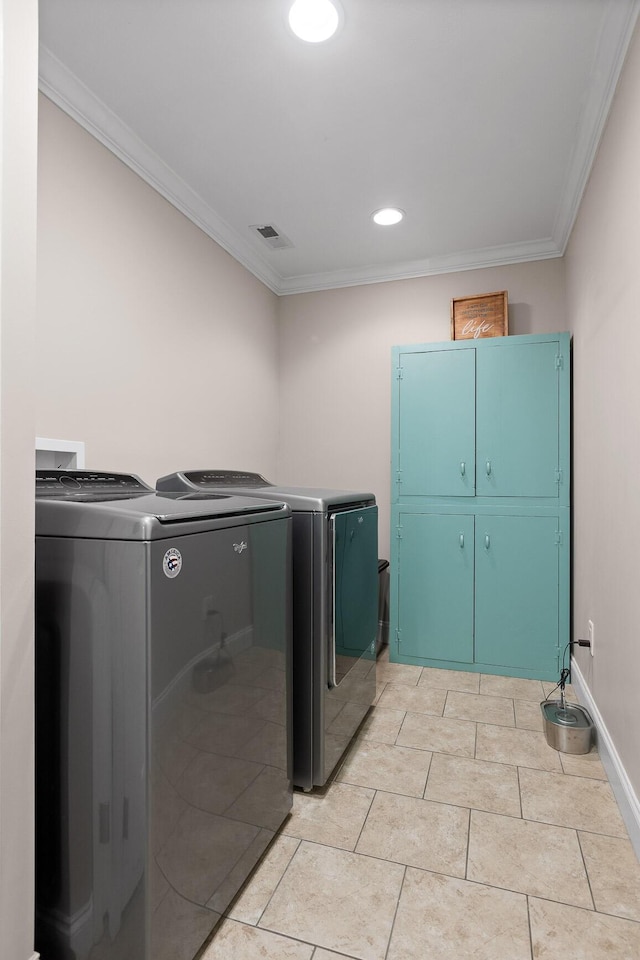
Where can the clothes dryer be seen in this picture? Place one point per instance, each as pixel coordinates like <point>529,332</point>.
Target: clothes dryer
<point>162,702</point>
<point>335,610</point>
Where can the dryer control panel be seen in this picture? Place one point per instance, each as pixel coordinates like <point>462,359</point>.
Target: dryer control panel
<point>218,478</point>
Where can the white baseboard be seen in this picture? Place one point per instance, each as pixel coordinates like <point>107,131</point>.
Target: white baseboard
<point>620,783</point>
<point>34,956</point>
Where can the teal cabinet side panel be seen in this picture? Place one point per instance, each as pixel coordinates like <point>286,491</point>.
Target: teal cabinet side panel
<point>517,420</point>
<point>517,590</point>
<point>435,588</point>
<point>436,424</point>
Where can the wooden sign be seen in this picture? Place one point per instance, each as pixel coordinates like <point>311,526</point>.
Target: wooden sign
<point>484,315</point>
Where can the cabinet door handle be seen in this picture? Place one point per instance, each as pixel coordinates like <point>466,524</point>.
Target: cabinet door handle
<point>462,539</point>
<point>487,541</point>
<point>488,468</point>
<point>463,468</point>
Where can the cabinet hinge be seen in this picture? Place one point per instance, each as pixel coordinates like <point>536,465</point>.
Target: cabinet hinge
<point>399,373</point>
<point>558,476</point>
<point>558,536</point>
<point>399,532</point>
<point>559,362</point>
<point>398,635</point>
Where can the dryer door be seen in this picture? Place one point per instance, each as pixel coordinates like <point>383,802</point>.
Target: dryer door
<point>354,601</point>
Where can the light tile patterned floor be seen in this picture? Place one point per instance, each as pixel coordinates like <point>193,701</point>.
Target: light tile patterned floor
<point>450,831</point>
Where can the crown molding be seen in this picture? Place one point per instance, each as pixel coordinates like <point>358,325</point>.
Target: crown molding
<point>615,35</point>
<point>454,263</point>
<point>63,88</point>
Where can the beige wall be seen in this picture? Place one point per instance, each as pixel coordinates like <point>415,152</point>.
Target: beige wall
<point>336,365</point>
<point>154,346</point>
<point>18,106</point>
<point>603,292</point>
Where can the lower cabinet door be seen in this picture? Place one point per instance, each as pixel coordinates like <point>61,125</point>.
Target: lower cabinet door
<point>435,594</point>
<point>517,569</point>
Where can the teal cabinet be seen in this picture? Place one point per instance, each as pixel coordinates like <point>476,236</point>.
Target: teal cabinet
<point>436,588</point>
<point>485,418</point>
<point>436,441</point>
<point>516,592</point>
<point>481,591</point>
<point>517,422</point>
<point>480,512</point>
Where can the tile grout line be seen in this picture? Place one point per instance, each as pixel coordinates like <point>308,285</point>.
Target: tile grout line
<point>364,822</point>
<point>444,708</point>
<point>317,946</point>
<point>595,833</point>
<point>268,930</point>
<point>519,893</point>
<point>395,742</point>
<point>588,910</point>
<point>424,790</point>
<point>272,894</point>
<point>466,864</point>
<point>519,792</point>
<point>529,923</point>
<point>386,860</point>
<point>395,912</point>
<point>586,872</point>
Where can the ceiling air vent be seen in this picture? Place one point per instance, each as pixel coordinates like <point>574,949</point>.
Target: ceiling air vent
<point>271,235</point>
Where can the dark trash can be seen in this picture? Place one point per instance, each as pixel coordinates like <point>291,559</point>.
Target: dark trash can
<point>383,605</point>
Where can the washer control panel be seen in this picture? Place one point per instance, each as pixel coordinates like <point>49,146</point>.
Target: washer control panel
<point>88,484</point>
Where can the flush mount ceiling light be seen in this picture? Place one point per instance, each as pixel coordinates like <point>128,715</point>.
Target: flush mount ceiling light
<point>388,216</point>
<point>314,20</point>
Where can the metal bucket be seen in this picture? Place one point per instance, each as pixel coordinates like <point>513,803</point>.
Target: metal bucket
<point>567,726</point>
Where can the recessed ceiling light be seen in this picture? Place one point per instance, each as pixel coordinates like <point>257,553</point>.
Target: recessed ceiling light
<point>388,216</point>
<point>314,20</point>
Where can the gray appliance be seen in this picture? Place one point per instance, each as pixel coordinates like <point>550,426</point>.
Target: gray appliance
<point>335,610</point>
<point>163,765</point>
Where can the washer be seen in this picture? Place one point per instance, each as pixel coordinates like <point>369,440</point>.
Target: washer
<point>335,610</point>
<point>163,762</point>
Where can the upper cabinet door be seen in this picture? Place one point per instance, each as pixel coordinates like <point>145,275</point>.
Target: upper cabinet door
<point>436,424</point>
<point>517,393</point>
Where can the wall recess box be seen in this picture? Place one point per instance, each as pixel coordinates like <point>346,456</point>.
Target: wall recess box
<point>59,454</point>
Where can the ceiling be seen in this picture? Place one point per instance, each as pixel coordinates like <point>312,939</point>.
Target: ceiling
<point>479,118</point>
